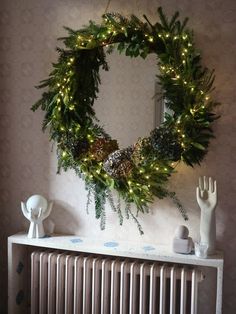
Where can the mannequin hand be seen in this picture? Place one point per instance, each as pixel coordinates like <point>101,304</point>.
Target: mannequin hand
<point>206,194</point>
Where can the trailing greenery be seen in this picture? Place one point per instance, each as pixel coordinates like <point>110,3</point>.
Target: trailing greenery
<point>137,173</point>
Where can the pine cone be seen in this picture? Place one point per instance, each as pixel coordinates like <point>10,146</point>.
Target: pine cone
<point>165,143</point>
<point>80,148</point>
<point>141,150</point>
<point>101,148</point>
<point>119,163</point>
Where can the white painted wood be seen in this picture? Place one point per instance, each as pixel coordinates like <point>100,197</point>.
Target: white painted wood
<point>17,282</point>
<point>124,249</point>
<point>19,244</point>
<point>219,292</point>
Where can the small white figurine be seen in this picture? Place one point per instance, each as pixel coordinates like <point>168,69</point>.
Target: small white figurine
<point>182,243</point>
<point>207,201</point>
<point>36,210</point>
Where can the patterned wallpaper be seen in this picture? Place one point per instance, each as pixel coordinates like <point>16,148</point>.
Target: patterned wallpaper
<point>28,32</point>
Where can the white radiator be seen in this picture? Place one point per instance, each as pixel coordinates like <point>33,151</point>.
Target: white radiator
<point>64,283</point>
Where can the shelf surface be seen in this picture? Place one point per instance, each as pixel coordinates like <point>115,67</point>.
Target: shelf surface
<point>147,251</point>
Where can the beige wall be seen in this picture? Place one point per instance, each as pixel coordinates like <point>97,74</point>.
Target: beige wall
<point>28,32</point>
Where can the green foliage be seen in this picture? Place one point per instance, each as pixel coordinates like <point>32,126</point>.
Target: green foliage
<point>73,86</point>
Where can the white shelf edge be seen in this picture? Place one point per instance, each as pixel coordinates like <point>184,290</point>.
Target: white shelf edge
<point>117,248</point>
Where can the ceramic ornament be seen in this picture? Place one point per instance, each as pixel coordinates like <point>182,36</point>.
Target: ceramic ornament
<point>182,243</point>
<point>207,200</point>
<point>36,209</point>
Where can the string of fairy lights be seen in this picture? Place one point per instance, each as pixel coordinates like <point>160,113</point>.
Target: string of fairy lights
<point>138,173</point>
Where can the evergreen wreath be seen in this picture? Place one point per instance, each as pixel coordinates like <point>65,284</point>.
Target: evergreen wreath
<point>140,172</point>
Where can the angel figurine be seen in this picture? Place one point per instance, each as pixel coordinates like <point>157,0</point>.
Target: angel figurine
<point>36,209</point>
<point>207,200</point>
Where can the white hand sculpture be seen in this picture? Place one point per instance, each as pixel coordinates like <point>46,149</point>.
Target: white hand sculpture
<point>36,217</point>
<point>207,199</point>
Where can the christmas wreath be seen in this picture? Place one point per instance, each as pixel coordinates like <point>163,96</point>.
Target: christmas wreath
<point>140,172</point>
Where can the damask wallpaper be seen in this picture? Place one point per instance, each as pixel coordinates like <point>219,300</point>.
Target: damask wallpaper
<point>28,32</point>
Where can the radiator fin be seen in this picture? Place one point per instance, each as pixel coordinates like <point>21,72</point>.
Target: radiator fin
<point>65,283</point>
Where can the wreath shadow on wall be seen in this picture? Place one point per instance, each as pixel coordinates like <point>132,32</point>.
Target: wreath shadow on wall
<point>138,173</point>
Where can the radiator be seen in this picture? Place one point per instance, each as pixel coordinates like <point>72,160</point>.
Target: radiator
<point>65,283</point>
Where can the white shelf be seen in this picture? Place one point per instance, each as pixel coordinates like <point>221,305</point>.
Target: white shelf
<point>18,245</point>
<point>117,248</point>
